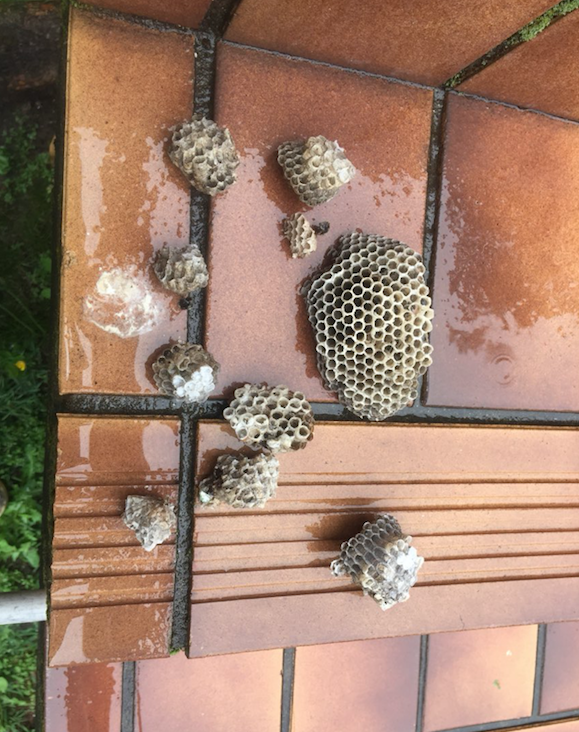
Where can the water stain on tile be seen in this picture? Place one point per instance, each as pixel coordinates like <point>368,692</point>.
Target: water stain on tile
<point>122,200</point>
<point>188,13</point>
<point>506,291</point>
<point>256,321</point>
<point>560,689</point>
<point>420,41</point>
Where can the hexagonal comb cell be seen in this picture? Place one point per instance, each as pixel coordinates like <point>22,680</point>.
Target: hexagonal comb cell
<point>186,371</point>
<point>181,269</point>
<point>152,519</point>
<point>371,315</point>
<point>241,482</point>
<point>300,234</point>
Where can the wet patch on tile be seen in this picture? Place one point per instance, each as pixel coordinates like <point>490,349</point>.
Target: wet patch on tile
<point>560,687</point>
<point>188,13</point>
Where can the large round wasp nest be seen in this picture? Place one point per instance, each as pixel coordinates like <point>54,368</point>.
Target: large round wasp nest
<point>186,371</point>
<point>241,482</point>
<point>316,168</point>
<point>152,519</point>
<point>181,269</point>
<point>300,234</point>
<point>275,419</point>
<point>371,316</point>
<point>205,154</point>
<point>380,560</point>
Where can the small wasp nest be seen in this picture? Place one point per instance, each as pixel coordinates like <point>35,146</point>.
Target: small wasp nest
<point>181,270</point>
<point>316,168</point>
<point>186,371</point>
<point>152,519</point>
<point>241,482</point>
<point>371,316</point>
<point>275,419</point>
<point>301,236</point>
<point>205,154</point>
<point>380,560</point>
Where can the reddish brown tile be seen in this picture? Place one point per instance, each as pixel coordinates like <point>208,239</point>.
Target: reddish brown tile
<point>256,322</point>
<point>368,685</point>
<point>223,694</point>
<point>490,672</point>
<point>420,41</point>
<point>542,73</point>
<point>561,673</point>
<point>122,199</point>
<point>505,293</point>
<point>188,13</point>
<point>83,698</point>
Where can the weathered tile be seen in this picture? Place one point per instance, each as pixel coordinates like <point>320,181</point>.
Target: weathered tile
<point>123,199</point>
<point>222,694</point>
<point>542,73</point>
<point>421,41</point>
<point>561,673</point>
<point>188,13</point>
<point>366,685</point>
<point>83,698</point>
<point>256,321</point>
<point>506,289</point>
<point>491,674</point>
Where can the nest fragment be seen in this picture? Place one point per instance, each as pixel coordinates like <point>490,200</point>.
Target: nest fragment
<point>316,168</point>
<point>381,560</point>
<point>241,482</point>
<point>300,234</point>
<point>274,419</point>
<point>371,314</point>
<point>181,269</point>
<point>205,154</point>
<point>152,519</point>
<point>186,371</point>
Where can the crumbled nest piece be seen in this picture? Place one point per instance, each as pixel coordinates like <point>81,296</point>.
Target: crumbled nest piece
<point>205,154</point>
<point>186,371</point>
<point>181,269</point>
<point>152,519</point>
<point>371,315</point>
<point>380,560</point>
<point>300,234</point>
<point>274,419</point>
<point>241,482</point>
<point>316,168</point>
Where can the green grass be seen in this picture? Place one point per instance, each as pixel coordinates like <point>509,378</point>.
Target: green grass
<point>25,235</point>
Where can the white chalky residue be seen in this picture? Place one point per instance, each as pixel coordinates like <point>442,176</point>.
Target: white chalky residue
<point>198,387</point>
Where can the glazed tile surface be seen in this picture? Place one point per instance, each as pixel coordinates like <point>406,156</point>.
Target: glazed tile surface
<point>188,13</point>
<point>561,672</point>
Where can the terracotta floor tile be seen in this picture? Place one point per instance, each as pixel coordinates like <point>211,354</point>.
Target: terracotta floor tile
<point>420,41</point>
<point>256,323</point>
<point>542,74</point>
<point>506,290</point>
<point>368,685</point>
<point>123,198</point>
<point>223,694</point>
<point>489,674</point>
<point>83,698</point>
<point>561,673</point>
<point>188,13</point>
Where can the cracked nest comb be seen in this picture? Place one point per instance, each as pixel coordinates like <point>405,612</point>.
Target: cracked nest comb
<point>300,234</point>
<point>241,482</point>
<point>186,371</point>
<point>381,560</point>
<point>152,519</point>
<point>371,315</point>
<point>205,154</point>
<point>316,169</point>
<point>181,269</point>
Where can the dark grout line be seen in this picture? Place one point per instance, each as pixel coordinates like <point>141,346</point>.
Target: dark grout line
<point>422,669</point>
<point>219,15</point>
<point>539,668</point>
<point>148,23</point>
<point>287,688</point>
<point>128,697</point>
<point>516,724</point>
<point>510,105</point>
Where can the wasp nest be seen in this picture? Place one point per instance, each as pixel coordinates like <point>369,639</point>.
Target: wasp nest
<point>241,482</point>
<point>205,154</point>
<point>275,419</point>
<point>186,371</point>
<point>181,270</point>
<point>316,168</point>
<point>371,316</point>
<point>152,519</point>
<point>380,560</point>
<point>301,236</point>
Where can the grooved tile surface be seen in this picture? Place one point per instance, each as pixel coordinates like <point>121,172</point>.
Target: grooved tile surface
<point>479,676</point>
<point>256,320</point>
<point>123,200</point>
<point>421,41</point>
<point>561,673</point>
<point>542,73</point>
<point>506,290</point>
<point>234,693</point>
<point>188,13</point>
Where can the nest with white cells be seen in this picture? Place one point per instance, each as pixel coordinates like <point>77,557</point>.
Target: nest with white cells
<point>181,269</point>
<point>241,482</point>
<point>370,310</point>
<point>186,371</point>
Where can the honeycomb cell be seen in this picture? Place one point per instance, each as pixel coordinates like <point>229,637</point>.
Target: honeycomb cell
<point>300,234</point>
<point>241,482</point>
<point>181,269</point>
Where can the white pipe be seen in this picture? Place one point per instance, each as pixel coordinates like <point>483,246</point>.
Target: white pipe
<point>28,606</point>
